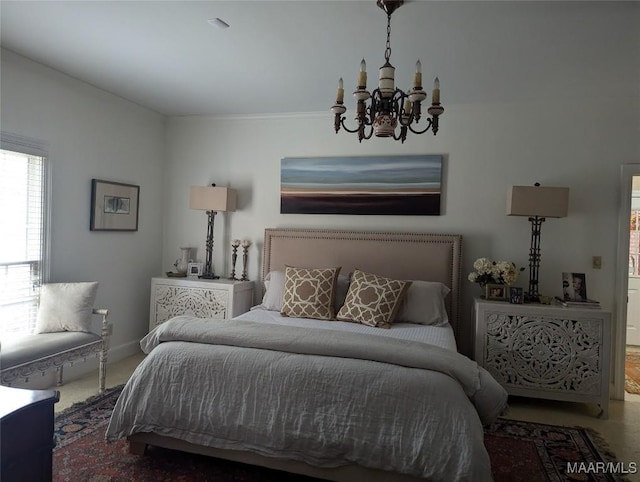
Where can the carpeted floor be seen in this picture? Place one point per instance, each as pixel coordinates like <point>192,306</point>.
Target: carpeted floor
<point>519,452</point>
<point>632,373</point>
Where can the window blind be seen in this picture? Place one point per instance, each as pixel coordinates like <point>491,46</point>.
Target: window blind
<point>22,248</point>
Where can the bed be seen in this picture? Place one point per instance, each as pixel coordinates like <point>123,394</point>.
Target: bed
<point>335,400</point>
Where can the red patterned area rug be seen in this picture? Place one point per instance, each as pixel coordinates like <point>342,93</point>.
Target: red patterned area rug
<point>632,373</point>
<point>519,451</point>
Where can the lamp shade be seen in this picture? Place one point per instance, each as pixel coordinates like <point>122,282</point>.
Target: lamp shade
<point>212,198</point>
<point>541,201</point>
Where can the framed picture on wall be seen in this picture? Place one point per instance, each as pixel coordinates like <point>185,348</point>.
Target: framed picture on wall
<point>114,206</point>
<point>369,185</point>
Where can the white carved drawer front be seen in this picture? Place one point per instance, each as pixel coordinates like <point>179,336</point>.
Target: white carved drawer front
<point>173,301</point>
<point>548,353</point>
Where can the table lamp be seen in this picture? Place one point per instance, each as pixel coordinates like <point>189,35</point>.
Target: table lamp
<point>538,203</point>
<point>211,199</point>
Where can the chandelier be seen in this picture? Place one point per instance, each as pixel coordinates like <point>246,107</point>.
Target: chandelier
<point>388,106</point>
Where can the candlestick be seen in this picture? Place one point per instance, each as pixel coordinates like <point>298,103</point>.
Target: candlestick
<point>245,255</point>
<point>234,258</point>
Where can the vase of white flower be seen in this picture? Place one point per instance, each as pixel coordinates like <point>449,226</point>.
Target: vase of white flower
<point>485,271</point>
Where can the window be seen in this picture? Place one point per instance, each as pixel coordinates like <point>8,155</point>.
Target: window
<point>23,263</point>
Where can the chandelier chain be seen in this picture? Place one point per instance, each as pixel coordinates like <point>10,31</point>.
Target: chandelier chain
<point>387,52</point>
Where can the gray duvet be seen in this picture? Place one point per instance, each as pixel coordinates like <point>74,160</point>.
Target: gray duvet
<point>324,397</point>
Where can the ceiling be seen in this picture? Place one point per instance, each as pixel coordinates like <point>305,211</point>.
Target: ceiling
<point>287,56</point>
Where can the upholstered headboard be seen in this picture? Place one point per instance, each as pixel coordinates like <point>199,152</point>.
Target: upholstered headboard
<point>411,256</point>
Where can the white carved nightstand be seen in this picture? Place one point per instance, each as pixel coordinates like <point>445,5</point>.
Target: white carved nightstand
<point>220,299</point>
<point>546,351</point>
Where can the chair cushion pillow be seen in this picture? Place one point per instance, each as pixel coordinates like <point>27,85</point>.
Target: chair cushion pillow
<point>34,347</point>
<point>66,307</point>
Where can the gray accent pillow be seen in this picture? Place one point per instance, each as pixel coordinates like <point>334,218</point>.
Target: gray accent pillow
<point>424,304</point>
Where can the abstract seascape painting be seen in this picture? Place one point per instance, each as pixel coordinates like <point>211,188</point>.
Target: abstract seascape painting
<point>392,185</point>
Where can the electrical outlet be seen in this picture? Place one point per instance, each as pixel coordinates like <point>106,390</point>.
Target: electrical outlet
<point>110,329</point>
<point>596,262</point>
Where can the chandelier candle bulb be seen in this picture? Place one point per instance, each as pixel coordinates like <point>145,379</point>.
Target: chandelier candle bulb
<point>362,76</point>
<point>407,107</point>
<point>436,91</point>
<point>340,96</point>
<point>417,78</point>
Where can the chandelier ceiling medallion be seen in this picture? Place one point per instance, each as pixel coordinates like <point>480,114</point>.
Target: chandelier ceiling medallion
<point>389,106</point>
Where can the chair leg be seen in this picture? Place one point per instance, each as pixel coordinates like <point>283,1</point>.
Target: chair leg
<point>103,370</point>
<point>59,381</point>
<point>105,348</point>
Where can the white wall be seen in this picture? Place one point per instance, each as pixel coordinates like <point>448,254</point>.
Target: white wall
<point>574,130</point>
<point>486,149</point>
<point>576,133</point>
<point>93,134</point>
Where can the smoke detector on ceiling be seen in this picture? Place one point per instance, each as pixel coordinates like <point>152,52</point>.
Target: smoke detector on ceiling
<point>218,22</point>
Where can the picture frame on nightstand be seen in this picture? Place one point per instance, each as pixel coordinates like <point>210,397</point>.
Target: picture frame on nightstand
<point>516,295</point>
<point>194,269</point>
<point>496,292</point>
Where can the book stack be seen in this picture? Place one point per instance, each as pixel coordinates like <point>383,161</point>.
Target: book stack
<point>578,304</point>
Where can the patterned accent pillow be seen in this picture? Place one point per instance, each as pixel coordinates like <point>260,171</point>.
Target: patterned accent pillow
<point>373,300</point>
<point>310,293</point>
<point>274,291</point>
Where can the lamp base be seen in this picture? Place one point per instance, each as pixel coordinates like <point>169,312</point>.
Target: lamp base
<point>209,276</point>
<point>534,258</point>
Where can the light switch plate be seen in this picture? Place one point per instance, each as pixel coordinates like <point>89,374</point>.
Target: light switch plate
<point>596,262</point>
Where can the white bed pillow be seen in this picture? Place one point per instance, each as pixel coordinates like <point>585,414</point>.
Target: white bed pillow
<point>274,291</point>
<point>66,307</point>
<point>424,304</point>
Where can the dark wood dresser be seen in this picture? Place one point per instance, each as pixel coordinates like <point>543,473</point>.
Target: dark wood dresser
<point>26,434</point>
